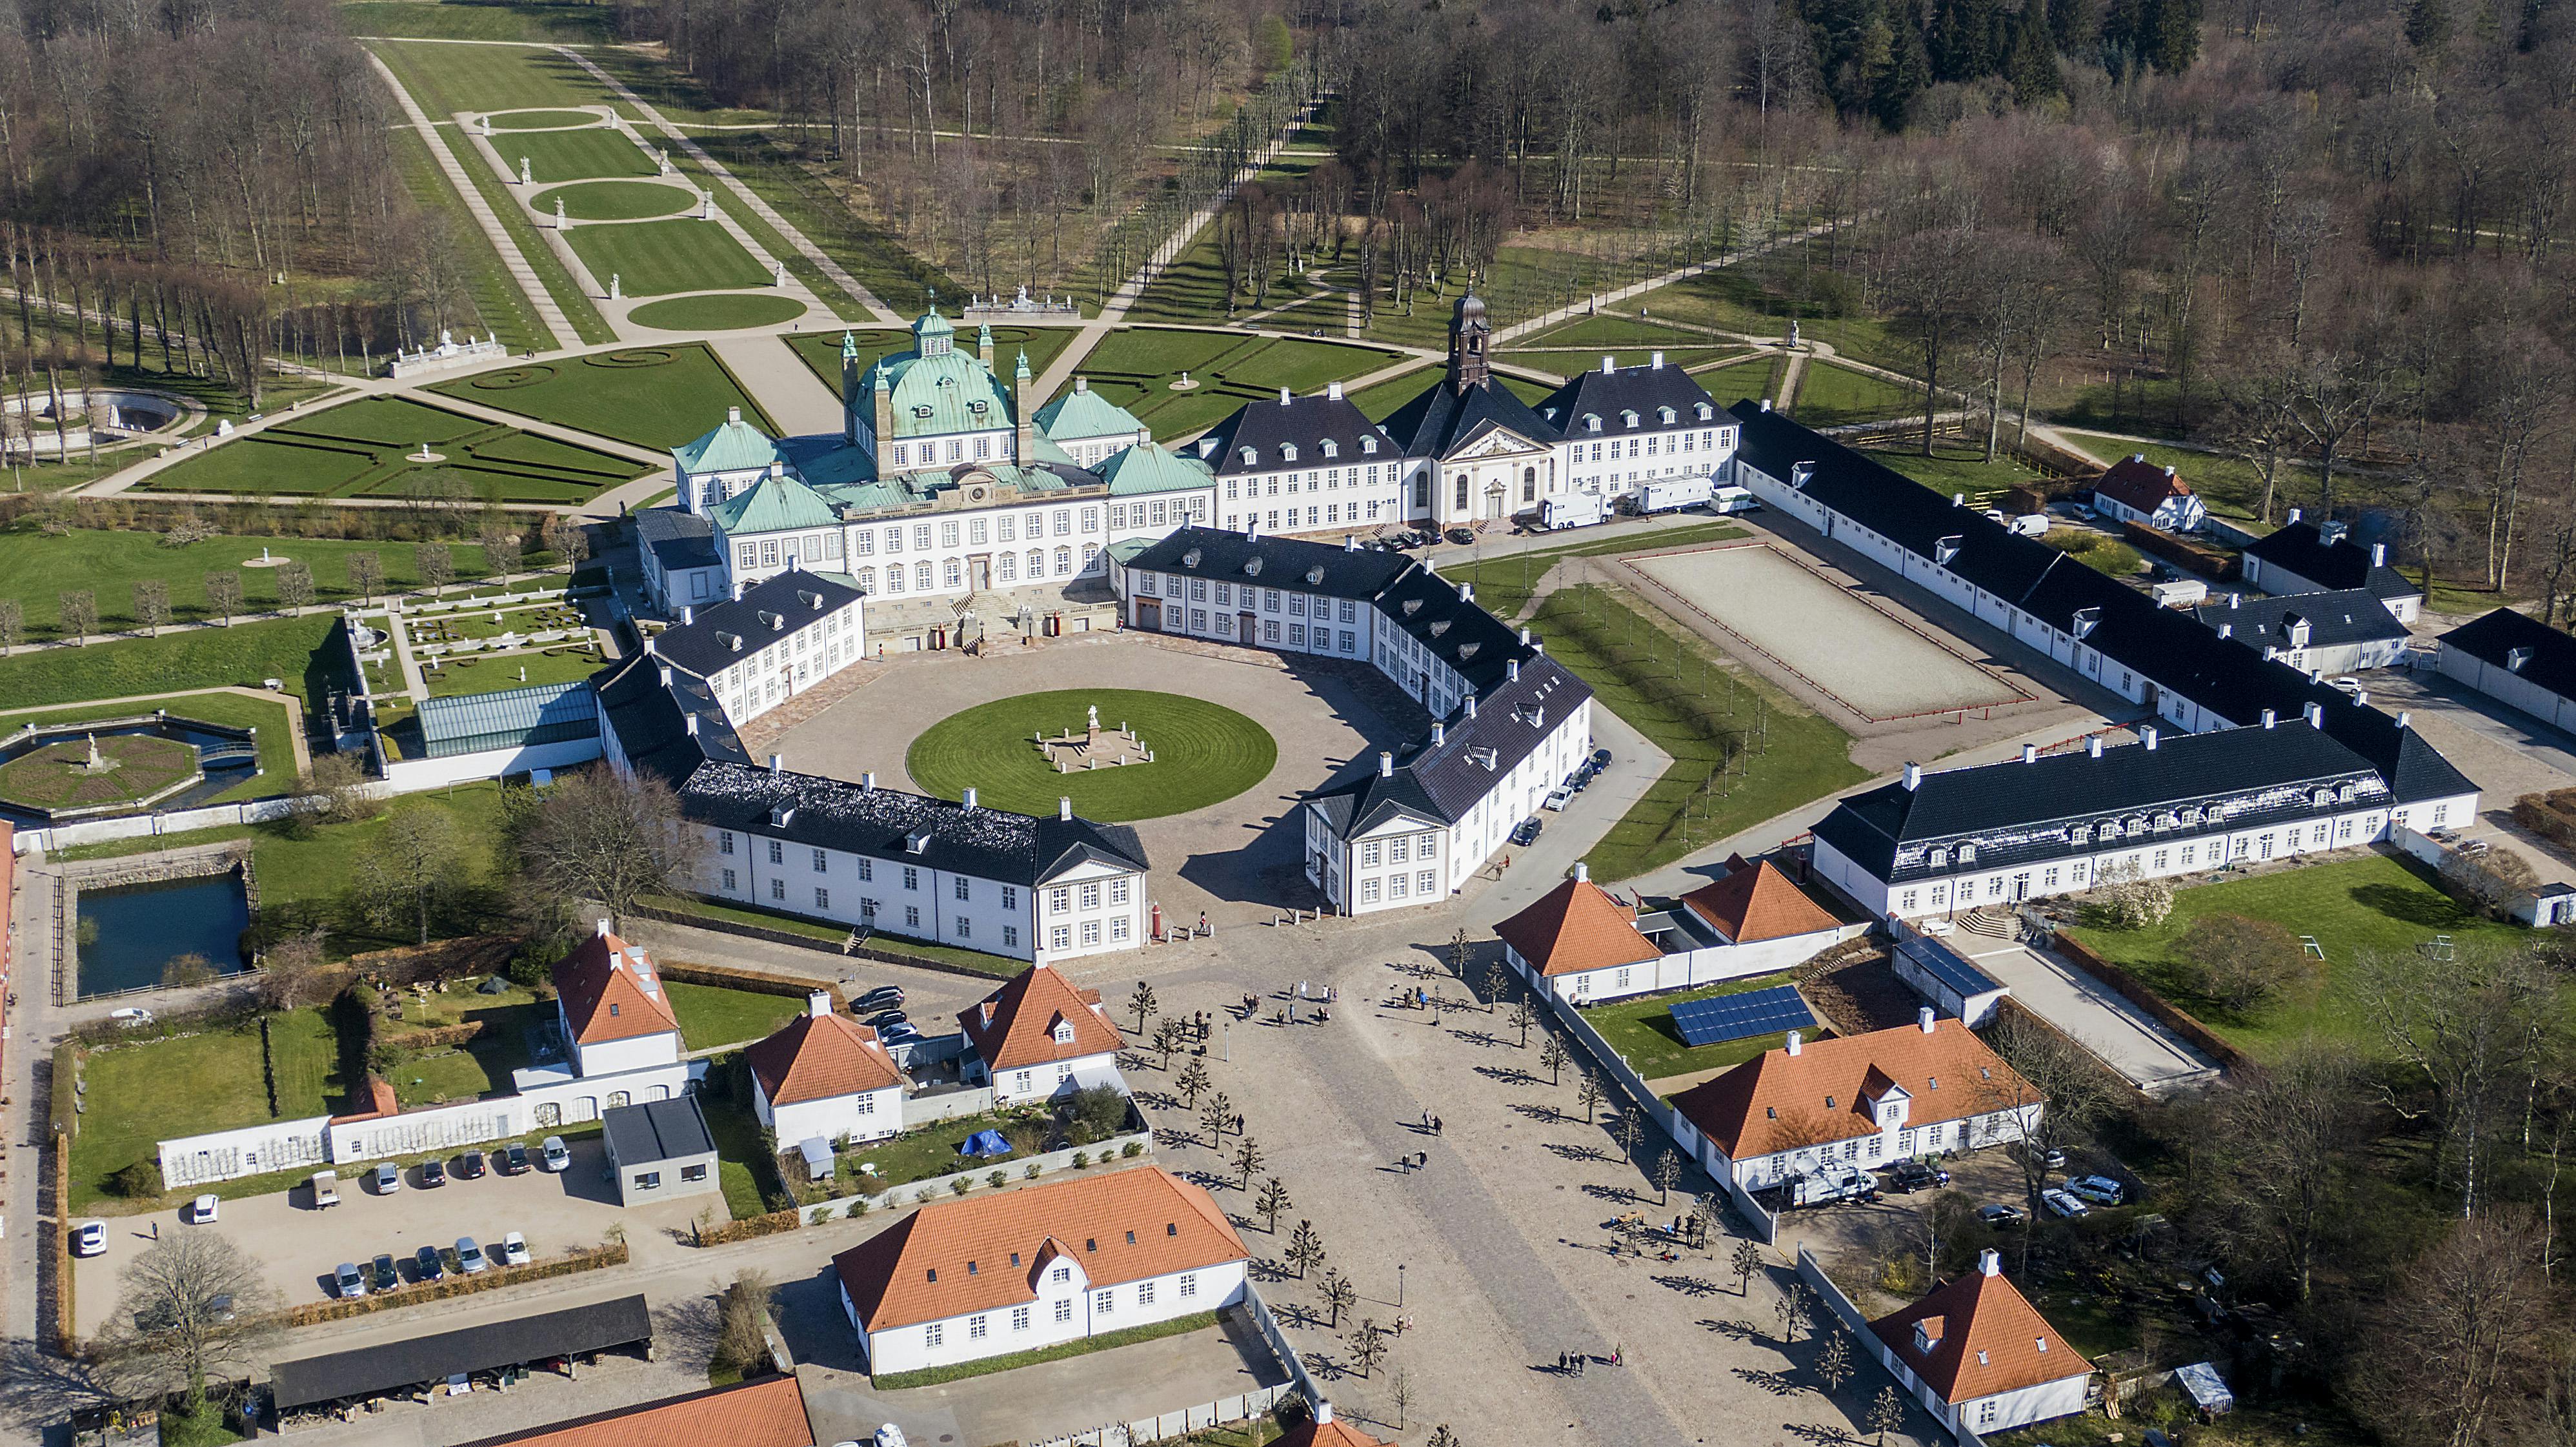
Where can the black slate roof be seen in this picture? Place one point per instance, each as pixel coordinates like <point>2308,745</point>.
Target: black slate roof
<point>657,1130</point>
<point>1441,418</point>
<point>651,720</point>
<point>1305,423</point>
<point>1641,389</point>
<point>2494,639</point>
<point>677,538</point>
<point>1456,630</point>
<point>986,842</point>
<point>413,1361</point>
<point>2346,616</point>
<point>2333,566</point>
<point>731,630</point>
<point>1444,781</point>
<point>1292,563</point>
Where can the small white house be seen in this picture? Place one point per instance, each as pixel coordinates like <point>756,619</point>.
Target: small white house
<point>1038,1036</point>
<point>826,1077</point>
<point>615,1014</point>
<point>2136,490</point>
<point>1580,943</point>
<point>1980,1357</point>
<point>1053,1263</point>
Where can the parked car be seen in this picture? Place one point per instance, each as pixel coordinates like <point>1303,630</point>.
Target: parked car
<point>432,1175</point>
<point>883,997</point>
<point>388,1178</point>
<point>554,1154</point>
<point>2061,1204</point>
<point>2100,1190</point>
<point>347,1282</point>
<point>89,1238</point>
<point>159,1317</point>
<point>469,1166</point>
<point>1461,535</point>
<point>132,1017</point>
<point>425,1265</point>
<point>887,1019</point>
<point>514,1249</point>
<point>382,1275</point>
<point>1525,833</point>
<point>2051,1159</point>
<point>514,1159</point>
<point>1600,761</point>
<point>1999,1217</point>
<point>1557,798</point>
<point>1907,1177</point>
<point>898,1033</point>
<point>326,1190</point>
<point>203,1209</point>
<point>469,1257</point>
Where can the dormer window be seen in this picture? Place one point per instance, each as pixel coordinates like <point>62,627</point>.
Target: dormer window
<point>976,407</point>
<point>1331,449</point>
<point>1666,415</point>
<point>1063,1032</point>
<point>970,1268</point>
<point>1706,412</point>
<point>1591,421</point>
<point>1627,418</point>
<point>1250,456</point>
<point>612,1007</point>
<point>922,412</point>
<point>1368,446</point>
<point>1131,1238</point>
<point>1315,576</point>
<point>1287,451</point>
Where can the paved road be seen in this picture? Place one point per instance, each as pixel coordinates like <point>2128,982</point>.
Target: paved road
<point>781,383</point>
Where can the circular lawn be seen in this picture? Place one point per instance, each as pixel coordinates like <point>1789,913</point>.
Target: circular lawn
<point>720,311</point>
<point>57,776</point>
<point>1203,754</point>
<point>616,200</point>
<point>543,120</point>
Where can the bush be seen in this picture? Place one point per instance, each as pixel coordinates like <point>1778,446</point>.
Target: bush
<point>2240,962</point>
<point>998,1179</point>
<point>140,1181</point>
<point>2123,898</point>
<point>960,1186</point>
<point>1081,1159</point>
<point>2490,880</point>
<point>1132,1149</point>
<point>535,961</point>
<point>1096,1113</point>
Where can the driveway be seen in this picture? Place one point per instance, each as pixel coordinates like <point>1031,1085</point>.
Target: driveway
<point>2118,1033</point>
<point>296,1246</point>
<point>2505,753</point>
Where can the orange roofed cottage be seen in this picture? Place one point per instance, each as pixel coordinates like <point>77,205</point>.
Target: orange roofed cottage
<point>1979,1356</point>
<point>1037,1267</point>
<point>768,1413</point>
<point>1039,1035</point>
<point>825,1075</point>
<point>1582,944</point>
<point>1862,1101</point>
<point>615,1014</point>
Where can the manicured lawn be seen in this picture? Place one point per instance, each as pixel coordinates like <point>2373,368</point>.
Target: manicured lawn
<point>366,446</point>
<point>986,1366</point>
<point>561,23</point>
<point>830,933</point>
<point>712,1015</point>
<point>36,570</point>
<point>719,312</point>
<point>1954,469</point>
<point>1614,333</point>
<point>1829,396</point>
<point>586,155</point>
<point>657,396</point>
<point>2373,902</point>
<point>481,1066</point>
<point>290,649</point>
<point>874,258</point>
<point>130,767</point>
<point>614,200</point>
<point>1203,753</point>
<point>931,1152</point>
<point>1641,1029</point>
<point>744,1166</point>
<point>654,258</point>
<point>1756,379</point>
<point>1379,401</point>
<point>500,307</point>
<point>1570,360</point>
<point>543,120</point>
<point>2107,555</point>
<point>1135,368</point>
<point>1504,584</point>
<point>271,718</point>
<point>1741,752</point>
<point>477,673</point>
<point>139,1094</point>
<point>448,78</point>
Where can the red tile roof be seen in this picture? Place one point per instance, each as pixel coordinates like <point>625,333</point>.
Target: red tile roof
<point>2140,484</point>
<point>610,991</point>
<point>985,1252</point>
<point>1335,1433</point>
<point>1014,1026</point>
<point>1758,903</point>
<point>820,1057</point>
<point>769,1413</point>
<point>1986,1338</point>
<point>1778,1101</point>
<point>1575,927</point>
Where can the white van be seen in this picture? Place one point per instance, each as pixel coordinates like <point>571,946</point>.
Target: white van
<point>1572,510</point>
<point>1832,1181</point>
<point>326,1190</point>
<point>1733,499</point>
<point>1669,493</point>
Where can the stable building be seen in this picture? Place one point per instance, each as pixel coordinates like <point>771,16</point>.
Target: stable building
<point>2518,661</point>
<point>823,1076</point>
<point>2305,557</point>
<point>768,642</point>
<point>2315,633</point>
<point>1863,1101</point>
<point>1039,1036</point>
<point>2134,490</point>
<point>1980,1357</point>
<point>1038,1267</point>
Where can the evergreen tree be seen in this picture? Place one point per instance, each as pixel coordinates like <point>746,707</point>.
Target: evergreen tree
<point>2073,25</point>
<point>2032,67</point>
<point>2428,24</point>
<point>1962,45</point>
<point>1907,75</point>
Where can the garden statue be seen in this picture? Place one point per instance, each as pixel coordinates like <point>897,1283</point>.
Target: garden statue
<point>559,214</point>
<point>527,177</point>
<point>616,287</point>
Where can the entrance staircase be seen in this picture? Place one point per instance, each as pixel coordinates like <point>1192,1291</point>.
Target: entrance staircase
<point>1997,924</point>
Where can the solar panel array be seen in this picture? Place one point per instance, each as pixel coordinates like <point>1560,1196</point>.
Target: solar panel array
<point>1741,1017</point>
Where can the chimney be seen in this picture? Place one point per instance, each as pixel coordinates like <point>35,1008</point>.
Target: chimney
<point>1990,1262</point>
<point>2235,600</point>
<point>2405,719</point>
<point>1913,776</point>
<point>1606,365</point>
<point>690,722</point>
<point>1793,1042</point>
<point>1439,734</point>
<point>666,675</point>
<point>2379,555</point>
<point>1385,764</point>
<point>1471,705</point>
<point>1332,391</point>
<point>1958,499</point>
<point>1350,542</point>
<point>968,802</point>
<point>777,763</point>
<point>1323,1414</point>
<point>1082,384</point>
<point>2226,630</point>
<point>1766,404</point>
<point>1658,360</point>
<point>1923,1018</point>
<point>1515,667</point>
<point>1284,397</point>
<point>737,590</point>
<point>2093,747</point>
<point>688,615</point>
<point>651,644</point>
<point>603,929</point>
<point>818,1003</point>
<point>2294,517</point>
<point>2316,715</point>
<point>2147,736</point>
<point>2270,718</point>
<point>1582,872</point>
<point>1525,636</point>
<point>1466,592</point>
<point>868,783</point>
<point>2030,753</point>
<point>1064,806</point>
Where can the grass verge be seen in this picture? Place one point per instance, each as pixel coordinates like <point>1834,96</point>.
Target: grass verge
<point>1642,1030</point>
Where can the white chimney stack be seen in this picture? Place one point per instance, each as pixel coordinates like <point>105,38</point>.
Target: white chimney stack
<point>2379,555</point>
<point>666,675</point>
<point>969,800</point>
<point>2148,736</point>
<point>1283,397</point>
<point>2030,753</point>
<point>868,783</point>
<point>1794,1041</point>
<point>1439,734</point>
<point>2093,747</point>
<point>733,415</point>
<point>603,929</point>
<point>777,763</point>
<point>1990,1262</point>
<point>1582,872</point>
<point>1385,764</point>
<point>1658,360</point>
<point>2270,718</point>
<point>690,722</point>
<point>1323,1414</point>
<point>818,1003</point>
<point>1924,1017</point>
<point>1913,776</point>
<point>2316,715</point>
<point>1607,366</point>
<point>2294,514</point>
<point>1064,806</point>
<point>2405,719</point>
<point>1333,391</point>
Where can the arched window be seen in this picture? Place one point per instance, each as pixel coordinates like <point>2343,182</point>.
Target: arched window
<point>867,580</point>
<point>953,573</point>
<point>1037,563</point>
<point>1010,568</point>
<point>1529,484</point>
<point>894,577</point>
<point>1461,504</point>
<point>921,576</point>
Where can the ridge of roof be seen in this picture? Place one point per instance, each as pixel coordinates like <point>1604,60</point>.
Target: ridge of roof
<point>1988,1339</point>
<point>1758,903</point>
<point>1013,1027</point>
<point>1576,927</point>
<point>1778,1101</point>
<point>609,990</point>
<point>820,1057</point>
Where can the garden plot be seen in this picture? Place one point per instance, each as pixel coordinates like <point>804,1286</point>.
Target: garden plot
<point>595,154</point>
<point>376,446</point>
<point>1824,635</point>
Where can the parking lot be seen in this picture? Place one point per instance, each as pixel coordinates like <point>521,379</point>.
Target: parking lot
<point>297,1246</point>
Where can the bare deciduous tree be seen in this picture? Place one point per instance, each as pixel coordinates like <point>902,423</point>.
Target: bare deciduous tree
<point>601,836</point>
<point>193,1306</point>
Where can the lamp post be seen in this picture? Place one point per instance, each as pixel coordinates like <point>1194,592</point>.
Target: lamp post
<point>1399,1286</point>
<point>1225,1041</point>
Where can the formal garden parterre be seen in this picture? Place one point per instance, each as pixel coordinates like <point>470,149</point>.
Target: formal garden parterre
<point>371,448</point>
<point>649,396</point>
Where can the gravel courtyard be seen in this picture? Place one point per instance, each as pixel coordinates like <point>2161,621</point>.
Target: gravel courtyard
<point>1836,641</point>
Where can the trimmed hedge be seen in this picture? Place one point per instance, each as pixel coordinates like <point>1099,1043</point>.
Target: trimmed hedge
<point>758,982</point>
<point>2552,816</point>
<point>750,1227</point>
<point>66,1331</point>
<point>582,1258</point>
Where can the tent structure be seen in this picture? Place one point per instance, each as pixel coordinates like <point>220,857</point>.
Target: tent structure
<point>985,1143</point>
<point>818,1156</point>
<point>2207,1388</point>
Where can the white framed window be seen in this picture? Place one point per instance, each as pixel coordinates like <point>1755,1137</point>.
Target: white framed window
<point>975,1327</point>
<point>931,1334</point>
<point>1063,1304</point>
<point>1189,1284</point>
<point>1103,1302</point>
<point>1019,1318</point>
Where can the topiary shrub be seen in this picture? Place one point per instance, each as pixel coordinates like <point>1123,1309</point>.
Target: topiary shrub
<point>1132,1149</point>
<point>140,1181</point>
<point>1081,1159</point>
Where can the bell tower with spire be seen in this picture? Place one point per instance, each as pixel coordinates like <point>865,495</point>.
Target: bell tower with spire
<point>1469,335</point>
